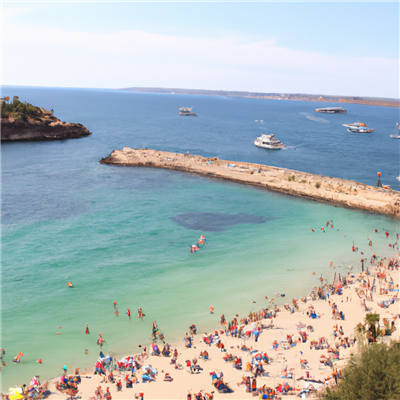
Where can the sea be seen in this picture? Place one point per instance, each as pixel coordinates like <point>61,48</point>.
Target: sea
<point>123,234</point>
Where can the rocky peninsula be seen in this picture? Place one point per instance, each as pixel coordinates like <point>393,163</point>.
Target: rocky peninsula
<point>24,122</point>
<point>335,191</point>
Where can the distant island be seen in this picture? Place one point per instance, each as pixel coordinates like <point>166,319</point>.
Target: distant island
<point>372,101</point>
<point>23,122</point>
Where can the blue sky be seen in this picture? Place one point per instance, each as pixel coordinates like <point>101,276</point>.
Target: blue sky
<point>343,48</point>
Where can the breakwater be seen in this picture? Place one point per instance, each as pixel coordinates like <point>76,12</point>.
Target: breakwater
<point>339,192</point>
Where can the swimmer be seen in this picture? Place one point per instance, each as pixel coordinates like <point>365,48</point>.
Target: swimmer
<point>211,310</point>
<point>116,312</point>
<point>140,312</point>
<point>87,329</point>
<point>129,314</point>
<point>115,305</point>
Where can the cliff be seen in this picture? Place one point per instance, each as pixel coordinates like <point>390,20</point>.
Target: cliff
<point>335,191</point>
<point>21,130</point>
<point>23,121</point>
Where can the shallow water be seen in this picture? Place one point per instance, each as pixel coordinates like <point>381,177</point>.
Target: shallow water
<point>124,234</point>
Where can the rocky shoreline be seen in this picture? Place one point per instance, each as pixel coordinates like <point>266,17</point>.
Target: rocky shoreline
<point>25,122</point>
<point>335,191</point>
<point>26,131</point>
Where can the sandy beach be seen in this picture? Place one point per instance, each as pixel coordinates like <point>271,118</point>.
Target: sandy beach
<point>297,347</point>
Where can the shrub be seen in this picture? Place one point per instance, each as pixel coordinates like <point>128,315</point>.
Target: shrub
<point>373,373</point>
<point>317,185</point>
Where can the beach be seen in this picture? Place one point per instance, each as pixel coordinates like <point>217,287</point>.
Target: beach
<point>312,345</point>
<point>124,233</point>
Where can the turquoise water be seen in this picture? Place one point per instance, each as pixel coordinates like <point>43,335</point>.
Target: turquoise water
<point>110,231</point>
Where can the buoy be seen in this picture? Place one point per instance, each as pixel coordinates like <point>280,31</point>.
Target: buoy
<point>58,333</point>
<point>70,284</point>
<point>313,273</point>
<point>86,351</point>
<point>59,327</point>
<point>312,230</point>
<point>39,361</point>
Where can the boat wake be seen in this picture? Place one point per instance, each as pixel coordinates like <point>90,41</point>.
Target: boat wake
<point>316,119</point>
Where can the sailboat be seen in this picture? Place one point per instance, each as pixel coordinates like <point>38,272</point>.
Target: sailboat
<point>398,135</point>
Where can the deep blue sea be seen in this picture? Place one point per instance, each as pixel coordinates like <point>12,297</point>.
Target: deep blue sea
<point>123,234</point>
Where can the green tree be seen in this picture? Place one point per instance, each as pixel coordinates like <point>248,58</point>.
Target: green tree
<point>372,320</point>
<point>371,374</point>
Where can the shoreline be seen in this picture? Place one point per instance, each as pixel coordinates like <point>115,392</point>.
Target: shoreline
<point>367,101</point>
<point>334,191</point>
<point>284,323</point>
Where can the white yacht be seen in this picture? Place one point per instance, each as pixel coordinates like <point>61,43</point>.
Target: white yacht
<point>269,142</point>
<point>355,125</point>
<point>360,130</point>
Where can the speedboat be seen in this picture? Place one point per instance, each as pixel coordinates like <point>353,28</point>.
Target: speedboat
<point>187,111</point>
<point>360,130</point>
<point>331,110</point>
<point>355,125</point>
<point>269,142</point>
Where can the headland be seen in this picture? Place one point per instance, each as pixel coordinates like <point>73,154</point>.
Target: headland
<point>370,101</point>
<point>335,191</point>
<point>25,122</point>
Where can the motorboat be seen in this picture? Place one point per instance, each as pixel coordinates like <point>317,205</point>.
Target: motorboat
<point>269,142</point>
<point>355,125</point>
<point>360,130</point>
<point>331,110</point>
<point>187,111</point>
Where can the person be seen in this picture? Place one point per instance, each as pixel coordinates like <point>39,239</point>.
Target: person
<point>87,329</point>
<point>140,312</point>
<point>116,312</point>
<point>100,341</point>
<point>189,366</point>
<point>254,385</point>
<point>119,385</point>
<point>129,314</point>
<point>107,395</point>
<point>167,377</point>
<point>115,305</point>
<point>211,310</point>
<point>65,370</point>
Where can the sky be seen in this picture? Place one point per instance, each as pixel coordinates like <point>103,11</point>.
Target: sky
<point>316,47</point>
